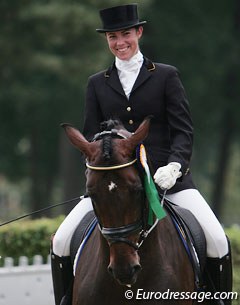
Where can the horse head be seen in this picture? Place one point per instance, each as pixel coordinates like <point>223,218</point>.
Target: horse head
<point>115,187</point>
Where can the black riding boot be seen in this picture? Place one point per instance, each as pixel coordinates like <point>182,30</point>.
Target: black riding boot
<point>62,275</point>
<point>219,276</point>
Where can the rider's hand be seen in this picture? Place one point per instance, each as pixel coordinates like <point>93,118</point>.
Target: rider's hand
<point>166,176</point>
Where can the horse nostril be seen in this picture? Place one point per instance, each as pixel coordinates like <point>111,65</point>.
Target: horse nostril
<point>137,268</point>
<point>110,270</point>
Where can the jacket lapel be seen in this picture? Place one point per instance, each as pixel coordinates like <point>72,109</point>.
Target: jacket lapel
<point>112,78</point>
<point>144,74</point>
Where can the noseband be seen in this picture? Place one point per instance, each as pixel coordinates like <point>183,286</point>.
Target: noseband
<point>119,234</point>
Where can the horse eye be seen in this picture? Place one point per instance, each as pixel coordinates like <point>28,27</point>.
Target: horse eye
<point>90,193</point>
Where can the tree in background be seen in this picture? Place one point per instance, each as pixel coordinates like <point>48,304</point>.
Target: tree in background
<point>48,50</point>
<point>45,60</point>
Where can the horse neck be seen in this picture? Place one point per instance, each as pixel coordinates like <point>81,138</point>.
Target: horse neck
<point>158,240</point>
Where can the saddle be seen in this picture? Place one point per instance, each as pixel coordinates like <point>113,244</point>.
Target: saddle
<point>81,235</point>
<point>187,227</point>
<point>192,237</point>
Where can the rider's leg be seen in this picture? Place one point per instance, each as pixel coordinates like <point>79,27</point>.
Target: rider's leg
<point>62,269</point>
<point>191,199</point>
<point>62,275</point>
<point>218,249</point>
<point>219,274</point>
<point>62,238</point>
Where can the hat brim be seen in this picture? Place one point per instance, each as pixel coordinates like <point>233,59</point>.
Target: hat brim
<point>121,27</point>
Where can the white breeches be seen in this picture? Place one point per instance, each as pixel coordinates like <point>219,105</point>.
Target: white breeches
<point>190,199</point>
<point>62,238</point>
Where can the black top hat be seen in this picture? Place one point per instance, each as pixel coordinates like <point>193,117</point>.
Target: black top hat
<point>119,18</point>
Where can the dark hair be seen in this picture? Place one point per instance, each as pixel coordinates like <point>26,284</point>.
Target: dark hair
<point>107,147</point>
<point>109,125</point>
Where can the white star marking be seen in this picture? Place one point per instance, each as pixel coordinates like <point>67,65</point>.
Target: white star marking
<point>112,186</point>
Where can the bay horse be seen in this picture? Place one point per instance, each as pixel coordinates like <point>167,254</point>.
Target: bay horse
<point>113,267</point>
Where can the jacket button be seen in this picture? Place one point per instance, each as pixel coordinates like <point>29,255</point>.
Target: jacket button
<point>129,108</point>
<point>130,122</point>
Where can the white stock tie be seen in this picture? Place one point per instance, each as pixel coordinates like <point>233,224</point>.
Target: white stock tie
<point>128,71</point>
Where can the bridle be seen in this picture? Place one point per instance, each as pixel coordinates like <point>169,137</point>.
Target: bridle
<point>114,133</point>
<point>119,234</point>
<point>108,168</point>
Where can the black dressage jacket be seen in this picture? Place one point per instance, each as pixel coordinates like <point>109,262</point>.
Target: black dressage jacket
<point>157,91</point>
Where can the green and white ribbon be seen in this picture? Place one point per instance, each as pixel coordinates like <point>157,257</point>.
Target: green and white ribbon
<point>150,189</point>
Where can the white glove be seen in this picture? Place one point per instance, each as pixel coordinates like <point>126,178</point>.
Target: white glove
<point>166,176</point>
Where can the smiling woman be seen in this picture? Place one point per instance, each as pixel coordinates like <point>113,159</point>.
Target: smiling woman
<point>124,44</point>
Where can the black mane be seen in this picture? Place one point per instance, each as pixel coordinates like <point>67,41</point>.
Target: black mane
<point>110,124</point>
<point>107,140</point>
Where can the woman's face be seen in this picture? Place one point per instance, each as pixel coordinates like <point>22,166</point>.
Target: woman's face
<point>124,44</point>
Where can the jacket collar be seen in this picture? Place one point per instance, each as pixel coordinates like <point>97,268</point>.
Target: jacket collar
<point>112,78</point>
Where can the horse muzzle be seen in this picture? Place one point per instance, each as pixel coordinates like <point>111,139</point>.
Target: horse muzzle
<point>124,264</point>
<point>125,275</point>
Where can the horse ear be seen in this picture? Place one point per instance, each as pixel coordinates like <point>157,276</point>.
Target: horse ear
<point>140,134</point>
<point>78,140</point>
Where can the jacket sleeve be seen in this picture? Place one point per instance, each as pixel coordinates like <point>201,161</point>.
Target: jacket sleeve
<point>179,121</point>
<point>92,114</point>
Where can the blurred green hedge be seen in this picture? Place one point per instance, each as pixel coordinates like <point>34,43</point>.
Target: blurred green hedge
<point>31,237</point>
<point>27,238</point>
<point>234,235</point>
